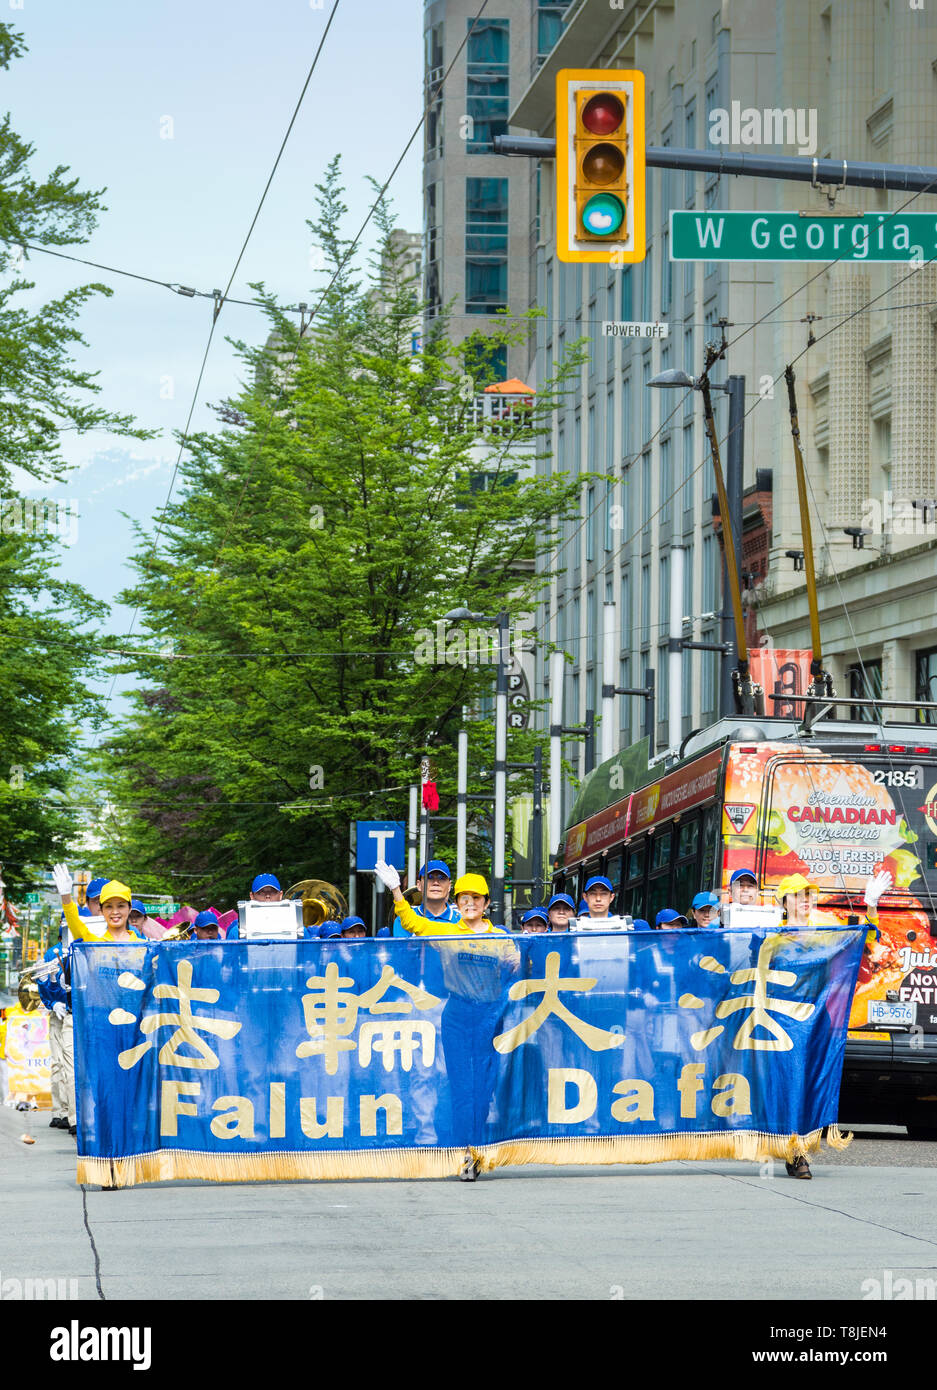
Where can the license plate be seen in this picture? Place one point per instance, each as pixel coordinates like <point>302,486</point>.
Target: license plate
<point>881,1011</point>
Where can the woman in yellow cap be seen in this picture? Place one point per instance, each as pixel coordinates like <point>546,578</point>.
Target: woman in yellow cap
<point>471,899</point>
<point>115,907</point>
<point>798,896</point>
<point>475,974</point>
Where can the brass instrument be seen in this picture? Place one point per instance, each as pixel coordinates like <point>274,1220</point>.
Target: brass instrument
<point>180,932</point>
<point>27,991</point>
<point>322,902</point>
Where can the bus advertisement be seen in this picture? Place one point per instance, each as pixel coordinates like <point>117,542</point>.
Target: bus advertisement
<point>835,807</point>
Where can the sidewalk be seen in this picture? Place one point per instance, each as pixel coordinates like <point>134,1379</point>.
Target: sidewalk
<point>674,1230</point>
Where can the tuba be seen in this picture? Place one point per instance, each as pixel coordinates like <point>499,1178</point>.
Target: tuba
<point>180,932</point>
<point>322,902</point>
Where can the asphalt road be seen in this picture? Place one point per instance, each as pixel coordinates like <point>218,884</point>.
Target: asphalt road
<point>713,1230</point>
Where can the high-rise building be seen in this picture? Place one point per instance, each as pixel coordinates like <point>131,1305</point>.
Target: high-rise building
<point>479,236</point>
<point>842,79</point>
<point>655,481</point>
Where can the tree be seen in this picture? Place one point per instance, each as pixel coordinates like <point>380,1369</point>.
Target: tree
<point>316,541</point>
<point>43,650</point>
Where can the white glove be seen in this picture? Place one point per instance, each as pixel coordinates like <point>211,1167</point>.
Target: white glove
<point>387,874</point>
<point>877,885</point>
<point>60,1010</point>
<point>63,879</point>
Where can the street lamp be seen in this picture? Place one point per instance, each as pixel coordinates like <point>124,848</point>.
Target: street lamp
<point>499,829</point>
<point>734,388</point>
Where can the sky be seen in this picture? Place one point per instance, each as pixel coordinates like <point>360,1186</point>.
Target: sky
<point>178,108</point>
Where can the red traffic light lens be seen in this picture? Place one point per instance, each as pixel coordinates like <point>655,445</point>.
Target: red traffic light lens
<point>603,113</point>
<point>603,164</point>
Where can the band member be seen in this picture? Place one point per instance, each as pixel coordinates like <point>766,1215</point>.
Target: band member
<point>115,908</point>
<point>560,909</point>
<point>264,889</point>
<point>535,920</point>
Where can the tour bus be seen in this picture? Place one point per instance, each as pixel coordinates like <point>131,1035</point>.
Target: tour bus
<point>835,802</point>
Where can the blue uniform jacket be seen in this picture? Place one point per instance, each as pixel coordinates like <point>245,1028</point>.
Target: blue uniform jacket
<point>52,989</point>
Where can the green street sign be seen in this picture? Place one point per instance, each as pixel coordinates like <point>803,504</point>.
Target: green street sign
<point>790,236</point>
<point>32,899</point>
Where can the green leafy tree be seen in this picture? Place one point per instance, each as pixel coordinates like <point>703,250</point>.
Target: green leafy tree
<point>44,646</point>
<point>289,615</point>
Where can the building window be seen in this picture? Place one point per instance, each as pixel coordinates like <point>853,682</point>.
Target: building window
<point>666,480</point>
<point>610,432</point>
<point>432,206</point>
<point>926,684</point>
<point>647,297</point>
<point>646,494</point>
<point>487,66</point>
<point>627,295</point>
<point>486,245</point>
<point>590,525</point>
<point>663,602</point>
<point>645,604</point>
<point>710,574</point>
<point>433,78</point>
<point>625,701</point>
<point>550,15</point>
<point>626,417</point>
<point>688,468</point>
<point>867,686</point>
<point>646,399</point>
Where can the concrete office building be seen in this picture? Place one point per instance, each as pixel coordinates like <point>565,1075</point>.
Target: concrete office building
<point>648,445</point>
<point>479,239</point>
<point>867,390</point>
<point>857,80</point>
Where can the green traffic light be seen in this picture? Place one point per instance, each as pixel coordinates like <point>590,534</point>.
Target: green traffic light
<point>603,214</point>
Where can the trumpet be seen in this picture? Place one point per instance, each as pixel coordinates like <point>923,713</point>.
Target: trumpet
<point>322,901</point>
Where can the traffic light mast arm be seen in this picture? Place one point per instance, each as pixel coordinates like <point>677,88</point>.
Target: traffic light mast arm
<point>906,178</point>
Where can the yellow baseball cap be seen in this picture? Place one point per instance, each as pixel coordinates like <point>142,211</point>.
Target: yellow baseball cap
<point>471,883</point>
<point>115,889</point>
<point>794,883</point>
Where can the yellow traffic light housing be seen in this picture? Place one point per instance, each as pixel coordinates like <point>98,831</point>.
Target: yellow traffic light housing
<point>600,166</point>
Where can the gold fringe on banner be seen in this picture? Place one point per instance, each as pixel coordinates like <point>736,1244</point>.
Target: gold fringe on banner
<point>166,1165</point>
<point>836,1139</point>
<point>655,1148</point>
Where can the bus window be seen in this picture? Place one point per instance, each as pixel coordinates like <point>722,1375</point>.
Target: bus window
<point>660,851</point>
<point>659,893</point>
<point>658,896</point>
<point>633,897</point>
<point>712,840</point>
<point>685,885</point>
<point>688,839</point>
<point>686,878</point>
<point>613,873</point>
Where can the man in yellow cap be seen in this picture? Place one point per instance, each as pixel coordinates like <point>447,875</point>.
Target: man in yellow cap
<point>115,908</point>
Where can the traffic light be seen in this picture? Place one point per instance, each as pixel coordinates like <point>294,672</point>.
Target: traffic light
<point>600,165</point>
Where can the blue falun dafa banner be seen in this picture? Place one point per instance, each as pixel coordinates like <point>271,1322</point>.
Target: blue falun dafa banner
<point>389,1058</point>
